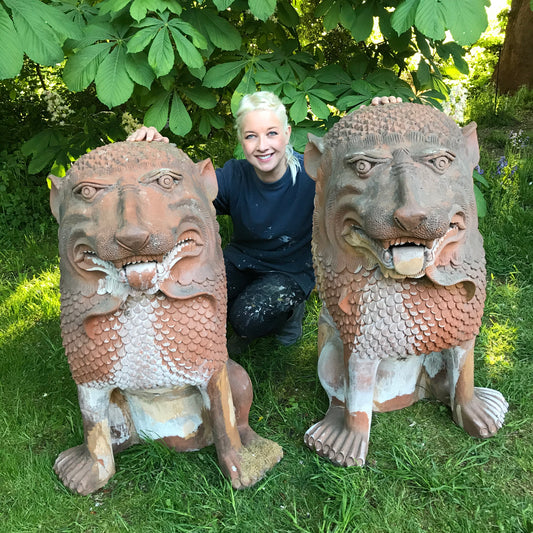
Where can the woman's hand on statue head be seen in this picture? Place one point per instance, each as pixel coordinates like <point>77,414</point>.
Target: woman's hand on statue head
<point>383,100</point>
<point>148,134</point>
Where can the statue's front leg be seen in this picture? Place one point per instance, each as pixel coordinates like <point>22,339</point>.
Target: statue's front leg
<point>342,436</point>
<point>88,467</point>
<point>360,386</point>
<point>479,411</point>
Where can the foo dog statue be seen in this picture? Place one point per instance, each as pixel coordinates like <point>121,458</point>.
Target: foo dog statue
<point>143,314</point>
<point>400,268</point>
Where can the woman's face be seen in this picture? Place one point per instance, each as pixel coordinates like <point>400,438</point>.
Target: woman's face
<point>264,142</point>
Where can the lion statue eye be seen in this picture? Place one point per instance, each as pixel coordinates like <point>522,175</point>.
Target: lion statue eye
<point>441,162</point>
<point>362,165</point>
<point>86,191</point>
<point>166,181</point>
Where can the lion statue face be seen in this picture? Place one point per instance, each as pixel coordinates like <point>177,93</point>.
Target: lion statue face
<point>395,190</point>
<point>136,217</point>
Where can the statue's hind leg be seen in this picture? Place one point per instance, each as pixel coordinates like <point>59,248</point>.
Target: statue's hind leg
<point>242,392</point>
<point>243,464</point>
<point>479,411</point>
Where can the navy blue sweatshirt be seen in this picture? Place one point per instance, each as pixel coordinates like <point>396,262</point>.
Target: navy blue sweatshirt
<point>272,222</point>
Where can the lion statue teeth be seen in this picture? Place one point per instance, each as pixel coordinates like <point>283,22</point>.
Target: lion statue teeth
<point>400,268</point>
<point>143,314</point>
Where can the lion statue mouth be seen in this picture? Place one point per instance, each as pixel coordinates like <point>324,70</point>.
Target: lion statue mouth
<point>404,256</point>
<point>140,272</point>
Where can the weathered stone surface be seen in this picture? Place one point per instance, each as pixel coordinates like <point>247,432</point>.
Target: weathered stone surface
<point>400,268</point>
<point>143,313</point>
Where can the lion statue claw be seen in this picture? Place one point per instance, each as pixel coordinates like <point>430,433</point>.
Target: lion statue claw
<point>400,268</point>
<point>143,314</point>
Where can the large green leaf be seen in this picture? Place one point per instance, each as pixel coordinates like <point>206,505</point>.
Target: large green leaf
<point>81,68</point>
<point>113,84</point>
<point>351,100</point>
<point>332,74</point>
<point>139,8</point>
<point>362,28</point>
<point>139,70</point>
<point>161,54</point>
<point>157,114</point>
<point>44,148</point>
<point>220,31</point>
<point>186,50</point>
<point>423,74</point>
<point>108,6</point>
<point>466,20</point>
<point>323,7</point>
<point>246,86</point>
<point>41,29</point>
<point>298,110</point>
<point>188,29</point>
<point>404,16</point>
<point>202,97</point>
<point>204,125</point>
<point>319,108</point>
<point>332,17</point>
<point>481,203</point>
<point>222,5</point>
<point>11,58</point>
<point>362,87</point>
<point>39,41</point>
<point>179,120</point>
<point>267,77</point>
<point>222,74</point>
<point>457,52</point>
<point>40,14</point>
<point>141,39</point>
<point>262,9</point>
<point>287,14</point>
<point>323,94</point>
<point>430,19</point>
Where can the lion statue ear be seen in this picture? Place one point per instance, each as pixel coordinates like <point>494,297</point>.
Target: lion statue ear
<point>313,155</point>
<point>209,178</point>
<point>55,187</point>
<point>471,142</point>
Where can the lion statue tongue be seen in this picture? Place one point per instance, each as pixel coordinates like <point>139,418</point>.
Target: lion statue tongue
<point>141,276</point>
<point>408,260</point>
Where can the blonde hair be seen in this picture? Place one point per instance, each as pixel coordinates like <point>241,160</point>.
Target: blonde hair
<point>267,101</point>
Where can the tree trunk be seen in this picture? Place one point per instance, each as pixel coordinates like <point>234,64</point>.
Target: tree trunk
<point>515,67</point>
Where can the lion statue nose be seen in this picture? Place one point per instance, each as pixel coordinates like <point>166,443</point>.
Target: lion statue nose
<point>133,238</point>
<point>409,218</point>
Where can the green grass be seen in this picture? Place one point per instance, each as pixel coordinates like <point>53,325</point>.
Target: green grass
<point>424,474</point>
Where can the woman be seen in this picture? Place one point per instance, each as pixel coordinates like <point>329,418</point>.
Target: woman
<point>270,198</point>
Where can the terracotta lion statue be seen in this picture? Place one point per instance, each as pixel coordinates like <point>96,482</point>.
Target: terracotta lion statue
<point>143,314</point>
<point>400,268</point>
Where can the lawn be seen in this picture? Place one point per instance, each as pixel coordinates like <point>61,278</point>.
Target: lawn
<point>424,474</point>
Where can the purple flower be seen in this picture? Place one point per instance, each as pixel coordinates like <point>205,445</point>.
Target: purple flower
<point>502,163</point>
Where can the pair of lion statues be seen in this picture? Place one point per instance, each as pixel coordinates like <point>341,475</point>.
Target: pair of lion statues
<point>399,265</point>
